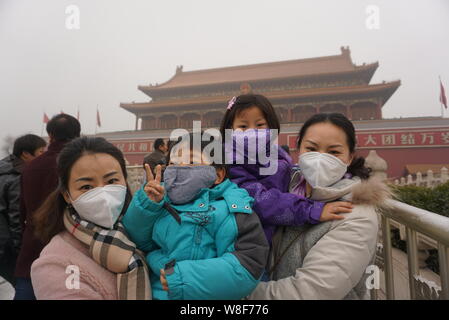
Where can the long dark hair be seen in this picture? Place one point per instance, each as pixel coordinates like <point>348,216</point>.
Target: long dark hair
<point>246,101</point>
<point>357,166</point>
<point>48,219</point>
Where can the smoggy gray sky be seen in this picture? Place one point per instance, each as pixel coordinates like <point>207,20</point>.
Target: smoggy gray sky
<point>122,44</point>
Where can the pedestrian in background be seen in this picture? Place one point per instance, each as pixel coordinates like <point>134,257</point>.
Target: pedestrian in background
<point>38,180</point>
<point>26,148</point>
<point>158,156</point>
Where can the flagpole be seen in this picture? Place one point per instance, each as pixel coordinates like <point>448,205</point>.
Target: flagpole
<point>441,103</point>
<point>96,121</point>
<point>42,124</point>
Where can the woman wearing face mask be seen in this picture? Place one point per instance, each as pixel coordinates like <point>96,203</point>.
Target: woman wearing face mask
<point>253,118</point>
<point>328,260</point>
<point>199,232</point>
<point>88,255</point>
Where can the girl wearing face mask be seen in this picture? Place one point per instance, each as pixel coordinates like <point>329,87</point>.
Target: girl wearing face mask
<point>328,260</point>
<point>273,203</point>
<point>80,221</point>
<point>199,232</point>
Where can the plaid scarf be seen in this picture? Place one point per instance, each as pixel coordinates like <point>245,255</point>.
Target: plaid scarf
<point>112,249</point>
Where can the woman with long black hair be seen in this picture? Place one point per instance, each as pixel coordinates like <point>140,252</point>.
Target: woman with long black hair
<point>329,260</point>
<point>88,255</point>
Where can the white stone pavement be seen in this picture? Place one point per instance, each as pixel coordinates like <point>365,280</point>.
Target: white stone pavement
<point>6,290</point>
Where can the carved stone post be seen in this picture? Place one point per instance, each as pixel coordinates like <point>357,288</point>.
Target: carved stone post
<point>429,179</point>
<point>348,112</point>
<point>418,178</point>
<point>444,175</point>
<point>403,181</point>
<point>378,165</point>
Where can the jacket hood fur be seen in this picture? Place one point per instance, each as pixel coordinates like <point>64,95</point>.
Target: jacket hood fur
<point>371,192</point>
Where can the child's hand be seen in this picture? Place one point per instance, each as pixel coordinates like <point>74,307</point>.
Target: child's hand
<point>153,188</point>
<point>332,210</point>
<point>164,280</point>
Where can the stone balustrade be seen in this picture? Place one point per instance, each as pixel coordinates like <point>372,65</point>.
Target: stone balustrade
<point>430,180</point>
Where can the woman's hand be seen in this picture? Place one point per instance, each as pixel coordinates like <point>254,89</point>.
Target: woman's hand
<point>332,210</point>
<point>163,279</point>
<point>153,188</point>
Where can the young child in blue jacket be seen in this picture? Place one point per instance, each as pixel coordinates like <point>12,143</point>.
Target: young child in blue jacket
<point>201,238</point>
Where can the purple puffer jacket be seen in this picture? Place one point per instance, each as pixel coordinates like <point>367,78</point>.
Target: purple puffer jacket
<point>274,205</point>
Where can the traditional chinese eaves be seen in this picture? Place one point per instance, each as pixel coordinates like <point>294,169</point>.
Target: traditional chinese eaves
<point>297,89</point>
<point>385,90</point>
<point>337,65</point>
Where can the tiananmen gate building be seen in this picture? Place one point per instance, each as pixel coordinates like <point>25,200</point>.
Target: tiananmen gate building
<point>297,90</point>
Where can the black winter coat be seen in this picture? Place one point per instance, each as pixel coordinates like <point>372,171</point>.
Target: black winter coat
<point>10,227</point>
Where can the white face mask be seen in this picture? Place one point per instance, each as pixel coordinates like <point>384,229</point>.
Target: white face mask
<point>101,205</point>
<point>321,169</point>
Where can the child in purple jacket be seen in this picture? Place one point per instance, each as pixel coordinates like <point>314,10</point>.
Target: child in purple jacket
<point>273,203</point>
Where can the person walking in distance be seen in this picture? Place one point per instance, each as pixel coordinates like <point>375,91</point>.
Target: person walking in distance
<point>158,156</point>
<point>26,148</point>
<point>38,180</point>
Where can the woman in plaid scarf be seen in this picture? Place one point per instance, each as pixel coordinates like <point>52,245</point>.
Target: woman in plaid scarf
<point>88,255</point>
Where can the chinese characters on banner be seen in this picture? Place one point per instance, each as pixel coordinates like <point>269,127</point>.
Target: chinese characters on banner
<point>133,146</point>
<point>409,138</point>
<point>364,140</point>
<point>403,139</point>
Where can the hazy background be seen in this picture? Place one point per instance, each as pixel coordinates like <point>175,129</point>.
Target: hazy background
<point>123,44</point>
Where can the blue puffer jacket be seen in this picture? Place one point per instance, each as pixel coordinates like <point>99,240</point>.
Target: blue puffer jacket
<point>219,250</point>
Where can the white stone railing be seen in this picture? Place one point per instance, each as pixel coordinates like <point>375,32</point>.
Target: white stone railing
<point>416,221</point>
<point>418,227</point>
<point>430,180</point>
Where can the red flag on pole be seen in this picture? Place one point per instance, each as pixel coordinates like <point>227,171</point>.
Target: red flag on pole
<point>45,120</point>
<point>98,118</point>
<point>443,98</point>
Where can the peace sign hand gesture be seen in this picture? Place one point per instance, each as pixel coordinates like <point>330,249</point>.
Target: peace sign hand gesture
<point>153,188</point>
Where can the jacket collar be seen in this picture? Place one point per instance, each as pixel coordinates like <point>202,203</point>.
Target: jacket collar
<point>237,199</point>
<point>17,163</point>
<point>56,146</point>
<point>11,165</point>
<point>341,189</point>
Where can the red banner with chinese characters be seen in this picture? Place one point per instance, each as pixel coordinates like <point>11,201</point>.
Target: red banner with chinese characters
<point>405,138</point>
<point>416,138</point>
<point>409,138</point>
<point>133,146</point>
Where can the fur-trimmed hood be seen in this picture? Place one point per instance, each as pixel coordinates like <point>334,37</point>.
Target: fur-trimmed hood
<point>372,191</point>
